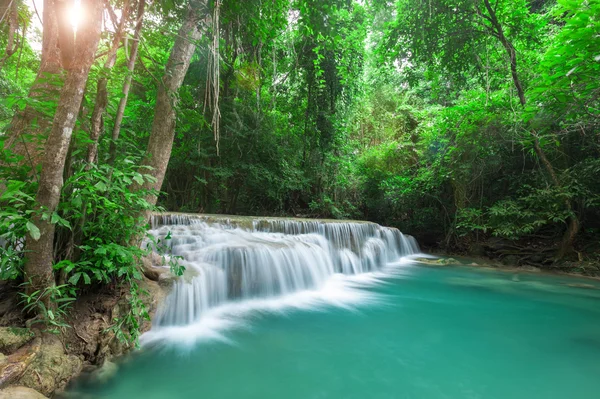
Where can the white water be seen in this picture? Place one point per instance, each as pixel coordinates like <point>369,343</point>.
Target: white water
<point>234,269</point>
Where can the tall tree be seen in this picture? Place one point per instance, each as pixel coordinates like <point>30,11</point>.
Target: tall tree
<point>77,62</point>
<point>29,127</point>
<point>97,120</point>
<point>116,131</point>
<point>162,135</point>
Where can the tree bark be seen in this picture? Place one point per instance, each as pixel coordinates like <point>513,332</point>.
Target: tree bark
<point>11,14</point>
<point>161,138</point>
<point>27,132</point>
<point>127,83</point>
<point>573,225</point>
<point>38,265</point>
<point>97,120</point>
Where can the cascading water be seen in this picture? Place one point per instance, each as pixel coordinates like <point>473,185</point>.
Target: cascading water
<point>233,260</point>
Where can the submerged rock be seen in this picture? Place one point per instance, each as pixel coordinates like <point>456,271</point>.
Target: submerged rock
<point>106,372</point>
<point>437,261</point>
<point>12,338</point>
<point>582,285</point>
<point>20,393</point>
<point>528,268</point>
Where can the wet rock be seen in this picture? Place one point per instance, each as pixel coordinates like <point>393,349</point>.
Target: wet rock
<point>106,372</point>
<point>20,393</point>
<point>531,269</point>
<point>52,368</point>
<point>153,267</point>
<point>447,261</point>
<point>12,338</point>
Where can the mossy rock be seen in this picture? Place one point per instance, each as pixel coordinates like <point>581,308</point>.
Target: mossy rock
<point>52,368</point>
<point>20,393</point>
<point>12,338</point>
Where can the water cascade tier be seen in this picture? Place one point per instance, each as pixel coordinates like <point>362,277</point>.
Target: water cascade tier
<point>239,258</point>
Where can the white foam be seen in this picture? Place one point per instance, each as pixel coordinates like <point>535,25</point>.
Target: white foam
<point>279,266</point>
<point>349,292</point>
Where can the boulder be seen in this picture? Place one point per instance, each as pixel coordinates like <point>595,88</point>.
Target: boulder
<point>52,368</point>
<point>13,366</point>
<point>20,393</point>
<point>153,267</point>
<point>12,338</point>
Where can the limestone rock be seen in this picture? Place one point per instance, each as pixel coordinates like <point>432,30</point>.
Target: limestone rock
<point>528,268</point>
<point>106,372</point>
<point>12,338</point>
<point>52,368</point>
<point>13,366</point>
<point>153,267</point>
<point>20,393</point>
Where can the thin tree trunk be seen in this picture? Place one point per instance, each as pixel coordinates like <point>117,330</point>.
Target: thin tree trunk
<point>161,138</point>
<point>573,225</point>
<point>97,121</point>
<point>11,13</point>
<point>127,83</point>
<point>39,250</point>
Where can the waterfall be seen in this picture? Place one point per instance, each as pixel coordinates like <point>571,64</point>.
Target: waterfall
<point>236,259</point>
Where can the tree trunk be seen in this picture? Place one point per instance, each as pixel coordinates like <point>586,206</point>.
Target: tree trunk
<point>101,93</point>
<point>161,138</point>
<point>127,83</point>
<point>11,14</point>
<point>39,250</point>
<point>27,132</point>
<point>573,225</point>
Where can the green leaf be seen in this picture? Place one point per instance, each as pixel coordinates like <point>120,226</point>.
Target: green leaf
<point>33,231</point>
<point>75,278</point>
<point>138,179</point>
<point>100,186</point>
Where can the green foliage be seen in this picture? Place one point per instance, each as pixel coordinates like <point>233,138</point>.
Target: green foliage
<point>51,305</point>
<point>99,222</point>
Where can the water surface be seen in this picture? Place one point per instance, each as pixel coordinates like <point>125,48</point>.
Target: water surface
<point>420,332</point>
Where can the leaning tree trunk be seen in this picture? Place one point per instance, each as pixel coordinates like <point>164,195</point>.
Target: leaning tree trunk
<point>127,83</point>
<point>27,132</point>
<point>161,138</point>
<point>10,13</point>
<point>573,225</point>
<point>39,250</point>
<point>101,89</point>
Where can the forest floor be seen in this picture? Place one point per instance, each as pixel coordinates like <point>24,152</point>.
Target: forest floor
<point>34,358</point>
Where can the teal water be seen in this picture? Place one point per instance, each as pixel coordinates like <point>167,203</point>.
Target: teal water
<point>435,332</point>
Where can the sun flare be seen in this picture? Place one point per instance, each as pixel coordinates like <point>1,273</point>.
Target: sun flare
<point>75,14</point>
